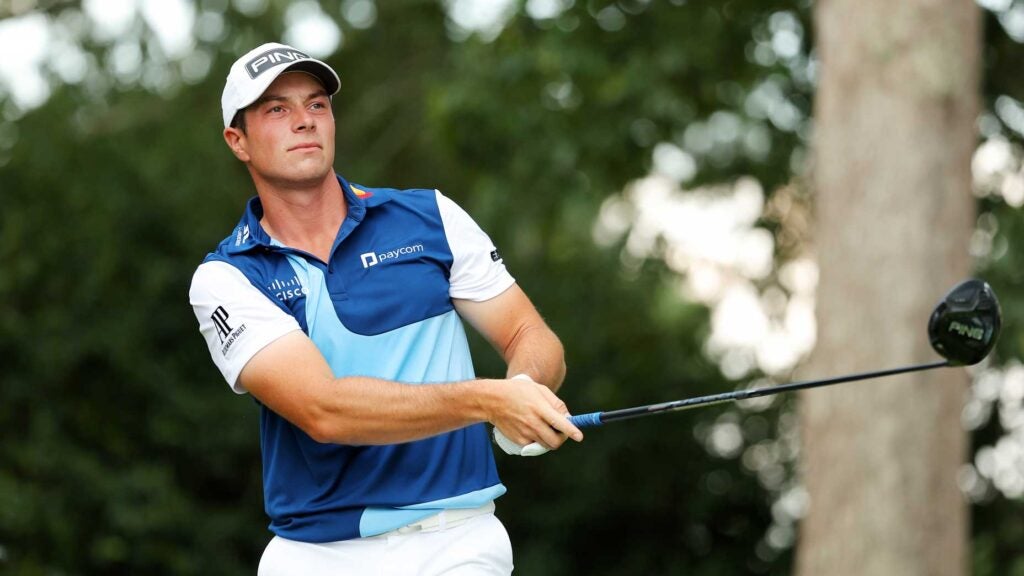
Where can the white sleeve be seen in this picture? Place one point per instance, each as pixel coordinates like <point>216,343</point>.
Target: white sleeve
<point>235,318</point>
<point>478,272</point>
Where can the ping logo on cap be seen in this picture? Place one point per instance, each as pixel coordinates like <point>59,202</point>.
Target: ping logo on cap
<point>267,60</point>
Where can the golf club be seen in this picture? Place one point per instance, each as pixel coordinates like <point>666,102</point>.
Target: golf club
<point>963,329</point>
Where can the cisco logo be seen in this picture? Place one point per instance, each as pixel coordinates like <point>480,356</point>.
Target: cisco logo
<point>285,290</point>
<point>373,258</point>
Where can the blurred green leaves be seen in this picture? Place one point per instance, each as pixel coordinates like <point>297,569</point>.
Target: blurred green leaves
<point>125,453</point>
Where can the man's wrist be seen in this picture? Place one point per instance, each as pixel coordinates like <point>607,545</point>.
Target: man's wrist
<point>479,397</point>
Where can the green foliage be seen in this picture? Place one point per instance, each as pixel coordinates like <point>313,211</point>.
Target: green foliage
<point>996,527</point>
<point>127,454</point>
<point>124,451</point>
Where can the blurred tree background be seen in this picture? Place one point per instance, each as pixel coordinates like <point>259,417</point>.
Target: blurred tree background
<point>588,137</point>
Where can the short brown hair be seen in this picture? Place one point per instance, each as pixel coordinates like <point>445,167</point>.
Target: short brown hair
<point>239,120</point>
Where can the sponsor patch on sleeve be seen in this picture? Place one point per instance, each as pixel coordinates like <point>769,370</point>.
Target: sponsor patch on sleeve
<point>227,335</point>
<point>495,256</point>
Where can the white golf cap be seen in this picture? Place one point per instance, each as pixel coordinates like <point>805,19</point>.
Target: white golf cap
<point>251,74</point>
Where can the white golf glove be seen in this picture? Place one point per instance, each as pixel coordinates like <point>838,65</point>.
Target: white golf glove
<point>514,449</point>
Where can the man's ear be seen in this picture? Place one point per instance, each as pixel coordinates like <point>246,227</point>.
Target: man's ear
<point>237,142</point>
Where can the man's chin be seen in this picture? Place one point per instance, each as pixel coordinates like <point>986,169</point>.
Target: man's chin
<point>300,178</point>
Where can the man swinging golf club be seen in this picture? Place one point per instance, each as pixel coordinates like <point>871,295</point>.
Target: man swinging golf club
<point>339,309</point>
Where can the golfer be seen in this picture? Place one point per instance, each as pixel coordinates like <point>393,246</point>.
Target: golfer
<point>339,308</point>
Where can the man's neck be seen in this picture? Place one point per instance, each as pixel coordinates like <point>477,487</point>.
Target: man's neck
<point>306,218</point>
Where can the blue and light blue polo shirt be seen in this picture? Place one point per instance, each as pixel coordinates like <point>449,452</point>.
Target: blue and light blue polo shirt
<point>380,307</point>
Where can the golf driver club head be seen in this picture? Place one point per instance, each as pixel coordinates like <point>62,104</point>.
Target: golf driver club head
<point>965,325</point>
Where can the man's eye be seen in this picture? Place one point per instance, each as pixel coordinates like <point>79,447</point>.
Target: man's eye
<point>277,109</point>
<point>319,105</point>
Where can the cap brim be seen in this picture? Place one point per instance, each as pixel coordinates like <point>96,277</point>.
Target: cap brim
<point>321,71</point>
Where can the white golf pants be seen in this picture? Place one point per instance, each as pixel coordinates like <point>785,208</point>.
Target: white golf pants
<point>478,546</point>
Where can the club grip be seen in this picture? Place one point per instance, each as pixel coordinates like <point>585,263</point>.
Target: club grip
<point>585,420</point>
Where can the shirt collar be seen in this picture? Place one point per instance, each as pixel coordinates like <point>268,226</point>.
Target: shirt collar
<point>249,234</point>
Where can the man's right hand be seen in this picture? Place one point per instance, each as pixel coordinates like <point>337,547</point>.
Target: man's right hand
<point>527,412</point>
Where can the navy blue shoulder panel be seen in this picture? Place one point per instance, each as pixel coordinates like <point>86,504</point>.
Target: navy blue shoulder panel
<point>269,272</point>
<point>393,268</point>
<point>389,268</point>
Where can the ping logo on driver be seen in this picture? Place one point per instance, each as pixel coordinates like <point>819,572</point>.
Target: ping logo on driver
<point>967,331</point>
<point>267,60</point>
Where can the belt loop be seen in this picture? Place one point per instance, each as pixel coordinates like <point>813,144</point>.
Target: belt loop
<point>441,522</point>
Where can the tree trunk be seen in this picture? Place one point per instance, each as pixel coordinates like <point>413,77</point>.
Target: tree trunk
<point>895,115</point>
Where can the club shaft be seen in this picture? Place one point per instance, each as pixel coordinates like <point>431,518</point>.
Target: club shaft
<point>599,418</point>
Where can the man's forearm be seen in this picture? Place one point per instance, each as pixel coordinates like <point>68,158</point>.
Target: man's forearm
<point>291,377</point>
<point>364,411</point>
<point>539,354</point>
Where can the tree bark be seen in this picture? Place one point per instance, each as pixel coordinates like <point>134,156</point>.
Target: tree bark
<point>895,113</point>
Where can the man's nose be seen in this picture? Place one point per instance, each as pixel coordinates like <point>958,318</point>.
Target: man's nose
<point>304,121</point>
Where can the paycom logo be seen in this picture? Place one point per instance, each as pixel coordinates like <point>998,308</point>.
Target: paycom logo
<point>373,258</point>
